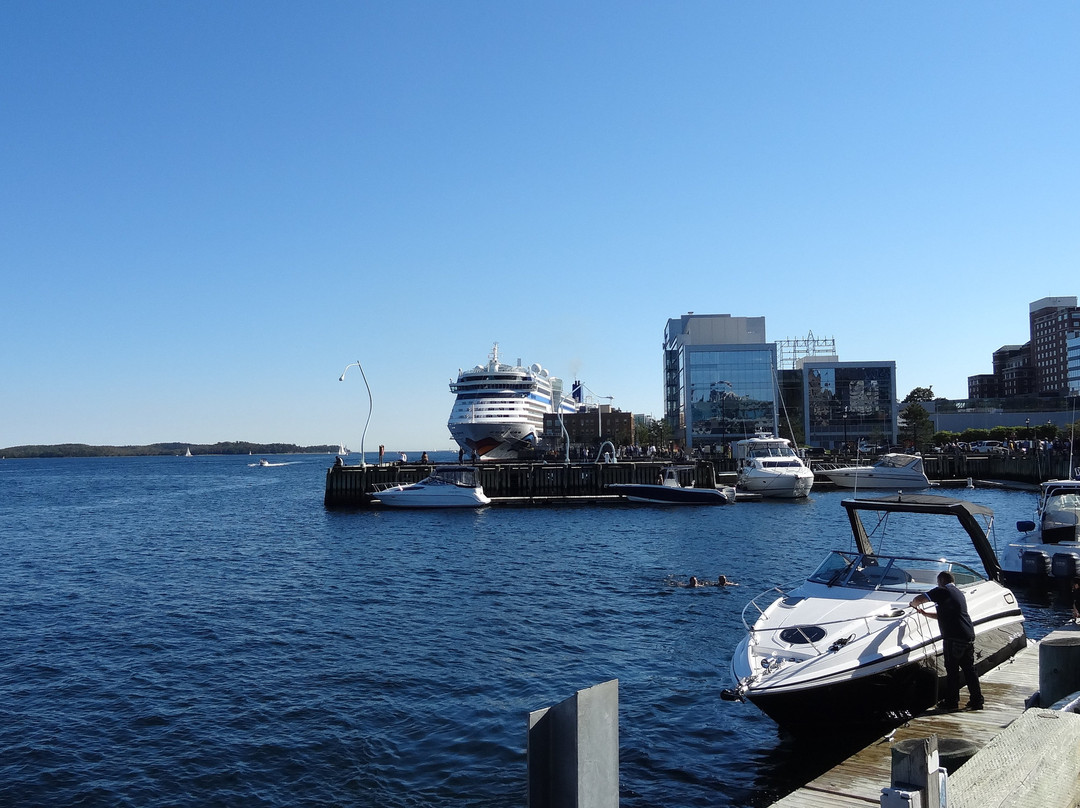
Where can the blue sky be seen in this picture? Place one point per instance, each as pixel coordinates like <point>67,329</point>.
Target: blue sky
<point>207,210</point>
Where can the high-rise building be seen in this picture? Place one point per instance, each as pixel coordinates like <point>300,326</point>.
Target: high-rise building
<point>1053,319</point>
<point>719,379</point>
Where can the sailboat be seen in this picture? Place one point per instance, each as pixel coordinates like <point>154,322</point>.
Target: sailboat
<point>188,452</point>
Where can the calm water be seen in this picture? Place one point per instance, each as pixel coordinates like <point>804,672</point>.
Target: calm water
<point>197,631</point>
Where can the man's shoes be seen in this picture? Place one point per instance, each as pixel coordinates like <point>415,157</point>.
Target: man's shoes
<point>974,705</point>
<point>947,707</point>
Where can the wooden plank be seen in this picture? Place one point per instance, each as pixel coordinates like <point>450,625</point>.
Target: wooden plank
<point>858,781</point>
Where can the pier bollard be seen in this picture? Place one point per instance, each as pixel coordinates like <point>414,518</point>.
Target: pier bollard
<point>917,779</point>
<point>1059,668</point>
<point>573,751</point>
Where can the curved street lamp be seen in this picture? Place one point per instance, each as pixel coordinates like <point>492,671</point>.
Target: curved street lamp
<point>341,378</point>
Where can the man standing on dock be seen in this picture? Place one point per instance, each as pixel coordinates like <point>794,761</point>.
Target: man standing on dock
<point>959,636</point>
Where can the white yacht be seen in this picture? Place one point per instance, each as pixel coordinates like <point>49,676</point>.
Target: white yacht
<point>844,648</point>
<point>895,471</point>
<point>445,487</point>
<point>1050,547</point>
<point>499,410</point>
<point>767,465</point>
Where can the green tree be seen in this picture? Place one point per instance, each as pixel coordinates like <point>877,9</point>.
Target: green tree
<point>918,428</point>
<point>920,394</point>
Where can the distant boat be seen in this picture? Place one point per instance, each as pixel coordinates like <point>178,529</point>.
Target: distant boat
<point>894,470</point>
<point>767,465</point>
<point>188,452</point>
<point>445,487</point>
<point>343,450</point>
<point>669,491</point>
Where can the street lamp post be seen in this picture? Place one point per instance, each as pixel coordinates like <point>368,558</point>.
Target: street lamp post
<point>845,428</point>
<point>341,378</point>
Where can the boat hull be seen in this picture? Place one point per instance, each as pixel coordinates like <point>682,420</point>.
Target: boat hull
<point>405,497</point>
<point>667,495</point>
<point>503,441</point>
<point>780,486</point>
<point>1037,564</point>
<point>867,478</point>
<point>881,693</point>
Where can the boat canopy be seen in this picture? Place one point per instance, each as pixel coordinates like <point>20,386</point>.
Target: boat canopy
<point>899,461</point>
<point>966,512</point>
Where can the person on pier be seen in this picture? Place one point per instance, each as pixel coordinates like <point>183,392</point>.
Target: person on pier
<point>958,634</point>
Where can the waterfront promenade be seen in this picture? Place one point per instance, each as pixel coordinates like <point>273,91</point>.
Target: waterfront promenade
<point>583,482</point>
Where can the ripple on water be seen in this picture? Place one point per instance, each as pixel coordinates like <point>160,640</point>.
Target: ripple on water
<point>201,633</point>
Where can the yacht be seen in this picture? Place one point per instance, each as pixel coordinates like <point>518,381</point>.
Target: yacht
<point>499,410</point>
<point>1050,548</point>
<point>669,490</point>
<point>767,465</point>
<point>893,471</point>
<point>445,487</point>
<point>844,650</point>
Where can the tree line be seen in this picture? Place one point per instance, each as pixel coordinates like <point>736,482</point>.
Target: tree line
<point>161,449</point>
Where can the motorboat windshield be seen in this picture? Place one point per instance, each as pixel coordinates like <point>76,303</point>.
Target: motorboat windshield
<point>899,461</point>
<point>464,476</point>
<point>772,451</point>
<point>769,463</point>
<point>893,573</point>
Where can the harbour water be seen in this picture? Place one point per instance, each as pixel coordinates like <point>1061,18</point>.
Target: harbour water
<point>201,631</point>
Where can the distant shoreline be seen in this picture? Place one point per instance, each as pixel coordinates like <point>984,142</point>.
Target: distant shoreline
<point>161,450</point>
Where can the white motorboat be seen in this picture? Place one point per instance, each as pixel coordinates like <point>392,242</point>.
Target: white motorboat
<point>670,491</point>
<point>1050,548</point>
<point>499,409</point>
<point>844,649</point>
<point>893,471</point>
<point>445,487</point>
<point>767,465</point>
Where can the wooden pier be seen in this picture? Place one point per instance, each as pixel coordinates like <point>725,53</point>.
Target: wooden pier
<point>516,483</point>
<point>858,781</point>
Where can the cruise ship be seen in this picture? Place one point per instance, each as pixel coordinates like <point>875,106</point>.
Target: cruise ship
<point>499,410</point>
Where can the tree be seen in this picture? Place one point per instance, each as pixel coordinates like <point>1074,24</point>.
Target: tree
<point>920,394</point>
<point>918,428</point>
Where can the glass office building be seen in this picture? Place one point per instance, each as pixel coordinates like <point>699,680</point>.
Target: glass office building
<point>732,393</point>
<point>720,380</point>
<point>848,402</point>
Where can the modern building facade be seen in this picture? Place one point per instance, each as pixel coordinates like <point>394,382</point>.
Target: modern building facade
<point>849,403</point>
<point>1072,354</point>
<point>719,379</point>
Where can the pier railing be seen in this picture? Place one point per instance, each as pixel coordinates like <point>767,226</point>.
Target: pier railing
<point>353,486</point>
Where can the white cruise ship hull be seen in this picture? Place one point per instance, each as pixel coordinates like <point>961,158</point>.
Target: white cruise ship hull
<point>494,441</point>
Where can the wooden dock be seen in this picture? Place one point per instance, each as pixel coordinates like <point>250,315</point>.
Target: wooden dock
<point>515,483</point>
<point>858,781</point>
